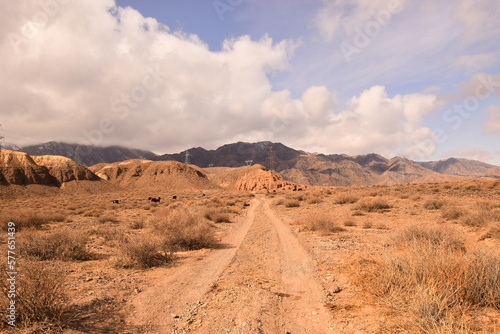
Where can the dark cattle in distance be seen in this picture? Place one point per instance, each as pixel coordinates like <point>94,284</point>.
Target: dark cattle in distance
<point>153,199</point>
<point>115,201</point>
<point>174,197</point>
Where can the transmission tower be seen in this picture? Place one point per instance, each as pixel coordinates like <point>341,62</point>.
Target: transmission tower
<point>271,159</point>
<point>249,162</point>
<point>186,160</point>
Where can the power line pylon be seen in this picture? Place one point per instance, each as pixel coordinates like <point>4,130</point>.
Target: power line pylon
<point>271,159</point>
<point>186,160</point>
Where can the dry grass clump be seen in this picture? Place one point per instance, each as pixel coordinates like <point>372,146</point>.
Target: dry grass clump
<point>350,222</point>
<point>66,245</point>
<point>217,215</point>
<point>376,204</point>
<point>107,218</point>
<point>493,233</point>
<point>476,219</point>
<point>42,303</point>
<point>136,225</point>
<point>184,229</point>
<point>292,204</point>
<point>434,235</point>
<point>145,251</point>
<point>110,236</point>
<point>434,204</point>
<point>346,199</point>
<point>452,212</point>
<point>431,276</point>
<point>323,224</point>
<point>316,199</point>
<point>28,218</point>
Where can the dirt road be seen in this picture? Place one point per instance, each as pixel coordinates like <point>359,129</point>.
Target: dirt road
<point>261,281</point>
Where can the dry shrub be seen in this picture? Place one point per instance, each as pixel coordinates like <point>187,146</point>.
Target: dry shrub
<point>452,212</point>
<point>64,245</point>
<point>217,215</point>
<point>346,199</point>
<point>434,278</point>
<point>107,218</point>
<point>434,235</point>
<point>28,218</point>
<point>373,204</point>
<point>476,219</point>
<point>367,224</point>
<point>493,232</point>
<point>145,251</point>
<point>136,225</point>
<point>315,200</point>
<point>93,213</point>
<point>434,204</point>
<point>110,236</point>
<point>42,303</point>
<point>184,229</point>
<point>350,222</point>
<point>292,204</point>
<point>323,224</point>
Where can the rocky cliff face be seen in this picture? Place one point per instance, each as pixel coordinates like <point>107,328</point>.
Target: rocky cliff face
<point>254,178</point>
<point>19,168</point>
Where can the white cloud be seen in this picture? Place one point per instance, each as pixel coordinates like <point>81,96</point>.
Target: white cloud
<point>473,153</point>
<point>492,123</point>
<point>375,122</point>
<point>106,75</point>
<point>475,63</point>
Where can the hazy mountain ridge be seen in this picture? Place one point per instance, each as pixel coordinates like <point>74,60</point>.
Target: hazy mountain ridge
<point>294,165</point>
<point>87,154</point>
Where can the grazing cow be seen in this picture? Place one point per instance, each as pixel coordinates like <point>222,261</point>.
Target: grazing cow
<point>246,204</point>
<point>203,195</point>
<point>174,197</point>
<point>115,201</point>
<point>156,200</point>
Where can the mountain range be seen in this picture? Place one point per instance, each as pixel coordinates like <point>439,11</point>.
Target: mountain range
<point>294,165</point>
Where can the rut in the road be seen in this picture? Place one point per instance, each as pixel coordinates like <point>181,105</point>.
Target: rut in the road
<point>262,282</point>
<point>158,308</point>
<point>268,288</point>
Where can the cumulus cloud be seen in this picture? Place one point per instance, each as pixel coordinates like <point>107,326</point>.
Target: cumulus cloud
<point>91,72</point>
<point>375,122</point>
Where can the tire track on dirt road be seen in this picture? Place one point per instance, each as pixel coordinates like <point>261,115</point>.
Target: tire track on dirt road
<point>270,287</point>
<point>157,308</point>
<point>306,305</point>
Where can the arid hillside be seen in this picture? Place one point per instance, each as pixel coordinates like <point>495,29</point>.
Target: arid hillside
<point>253,178</point>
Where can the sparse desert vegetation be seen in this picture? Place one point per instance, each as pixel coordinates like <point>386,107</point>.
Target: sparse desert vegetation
<point>433,258</point>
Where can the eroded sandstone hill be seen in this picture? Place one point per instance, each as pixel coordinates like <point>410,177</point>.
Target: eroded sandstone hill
<point>18,168</point>
<point>256,177</point>
<point>154,175</point>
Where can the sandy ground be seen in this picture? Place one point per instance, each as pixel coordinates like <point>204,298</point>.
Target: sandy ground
<point>260,281</point>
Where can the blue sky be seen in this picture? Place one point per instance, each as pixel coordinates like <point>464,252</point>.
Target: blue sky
<point>395,77</point>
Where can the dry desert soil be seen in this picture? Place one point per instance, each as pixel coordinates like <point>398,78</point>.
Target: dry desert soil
<point>413,258</point>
